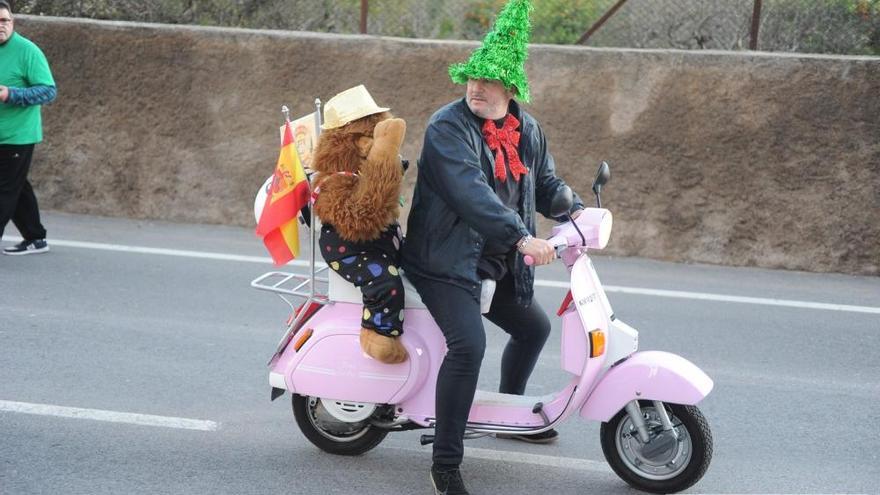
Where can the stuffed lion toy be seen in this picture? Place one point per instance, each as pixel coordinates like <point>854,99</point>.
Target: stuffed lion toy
<point>357,184</point>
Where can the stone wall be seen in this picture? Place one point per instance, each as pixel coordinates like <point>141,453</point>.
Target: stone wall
<point>719,157</point>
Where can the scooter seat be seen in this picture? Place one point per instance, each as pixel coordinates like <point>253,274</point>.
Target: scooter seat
<point>342,290</point>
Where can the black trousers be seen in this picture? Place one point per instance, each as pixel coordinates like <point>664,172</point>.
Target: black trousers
<point>457,313</point>
<point>17,200</point>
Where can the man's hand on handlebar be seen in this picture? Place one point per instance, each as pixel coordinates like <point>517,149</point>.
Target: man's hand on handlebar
<point>541,251</point>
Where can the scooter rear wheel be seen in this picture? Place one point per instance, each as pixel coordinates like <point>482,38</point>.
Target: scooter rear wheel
<point>675,466</point>
<point>330,434</point>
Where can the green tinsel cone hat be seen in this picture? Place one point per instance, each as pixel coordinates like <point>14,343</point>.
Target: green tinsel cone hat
<point>503,54</point>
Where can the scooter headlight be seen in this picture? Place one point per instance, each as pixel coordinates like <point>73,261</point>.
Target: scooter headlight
<point>604,230</point>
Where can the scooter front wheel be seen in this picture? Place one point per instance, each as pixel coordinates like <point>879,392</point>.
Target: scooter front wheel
<point>331,434</point>
<point>667,463</point>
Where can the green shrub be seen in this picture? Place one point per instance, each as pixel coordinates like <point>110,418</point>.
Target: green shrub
<point>553,21</point>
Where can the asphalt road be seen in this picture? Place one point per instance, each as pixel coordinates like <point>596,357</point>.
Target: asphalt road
<point>126,318</point>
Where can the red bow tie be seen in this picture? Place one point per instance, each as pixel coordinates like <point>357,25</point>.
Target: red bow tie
<point>507,139</point>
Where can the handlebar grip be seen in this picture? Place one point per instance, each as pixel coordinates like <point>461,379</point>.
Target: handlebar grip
<point>531,261</point>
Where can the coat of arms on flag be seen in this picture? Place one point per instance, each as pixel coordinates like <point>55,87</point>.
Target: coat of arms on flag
<point>305,137</point>
<point>286,193</point>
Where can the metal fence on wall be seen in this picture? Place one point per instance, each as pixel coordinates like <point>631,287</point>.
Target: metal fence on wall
<point>828,26</point>
<point>814,26</point>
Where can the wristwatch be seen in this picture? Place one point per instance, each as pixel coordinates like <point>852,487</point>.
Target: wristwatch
<point>522,242</point>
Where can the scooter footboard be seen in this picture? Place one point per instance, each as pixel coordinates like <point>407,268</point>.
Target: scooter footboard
<point>651,375</point>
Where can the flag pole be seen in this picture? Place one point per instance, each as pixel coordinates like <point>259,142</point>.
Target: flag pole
<point>286,111</point>
<point>312,225</point>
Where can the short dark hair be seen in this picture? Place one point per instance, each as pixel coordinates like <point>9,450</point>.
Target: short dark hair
<point>5,5</point>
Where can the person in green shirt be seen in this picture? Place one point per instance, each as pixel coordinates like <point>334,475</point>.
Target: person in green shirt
<point>26,84</point>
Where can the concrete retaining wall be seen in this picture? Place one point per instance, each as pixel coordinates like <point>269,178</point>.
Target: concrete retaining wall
<point>717,157</point>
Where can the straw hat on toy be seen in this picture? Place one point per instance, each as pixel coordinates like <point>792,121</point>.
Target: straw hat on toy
<point>348,106</point>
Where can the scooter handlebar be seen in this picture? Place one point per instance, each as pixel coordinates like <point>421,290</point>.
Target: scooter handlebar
<point>593,232</point>
<point>558,246</point>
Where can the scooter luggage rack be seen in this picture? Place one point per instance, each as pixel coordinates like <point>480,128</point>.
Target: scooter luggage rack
<point>306,288</point>
<point>301,290</point>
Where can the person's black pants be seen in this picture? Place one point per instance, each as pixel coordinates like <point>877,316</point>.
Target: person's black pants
<point>17,200</point>
<point>457,313</point>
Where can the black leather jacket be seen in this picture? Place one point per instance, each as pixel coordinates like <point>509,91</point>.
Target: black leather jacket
<point>455,208</point>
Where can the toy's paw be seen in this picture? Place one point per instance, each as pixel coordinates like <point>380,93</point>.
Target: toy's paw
<point>387,139</point>
<point>384,349</point>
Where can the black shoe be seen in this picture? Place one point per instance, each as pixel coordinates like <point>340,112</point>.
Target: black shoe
<point>448,482</point>
<point>28,247</point>
<point>548,436</point>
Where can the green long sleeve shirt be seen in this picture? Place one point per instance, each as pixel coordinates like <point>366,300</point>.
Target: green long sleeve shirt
<point>22,65</point>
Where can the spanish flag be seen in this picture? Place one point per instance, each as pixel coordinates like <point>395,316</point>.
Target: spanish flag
<point>288,194</point>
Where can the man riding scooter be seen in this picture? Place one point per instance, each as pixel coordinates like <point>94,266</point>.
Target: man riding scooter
<point>484,170</point>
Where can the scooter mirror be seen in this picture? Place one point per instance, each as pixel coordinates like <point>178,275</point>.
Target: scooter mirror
<point>562,202</point>
<point>602,177</point>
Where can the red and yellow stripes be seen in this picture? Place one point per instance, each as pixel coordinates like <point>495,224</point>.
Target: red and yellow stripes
<point>288,195</point>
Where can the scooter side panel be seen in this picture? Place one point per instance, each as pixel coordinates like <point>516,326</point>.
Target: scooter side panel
<point>331,364</point>
<point>650,375</point>
<point>421,337</point>
<point>334,367</point>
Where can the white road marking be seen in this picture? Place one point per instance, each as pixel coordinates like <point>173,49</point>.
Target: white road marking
<point>108,416</point>
<point>540,283</point>
<point>160,251</point>
<point>722,298</point>
<point>523,458</point>
<point>202,425</point>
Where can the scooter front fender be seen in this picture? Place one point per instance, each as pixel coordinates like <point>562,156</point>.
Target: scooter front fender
<point>650,375</point>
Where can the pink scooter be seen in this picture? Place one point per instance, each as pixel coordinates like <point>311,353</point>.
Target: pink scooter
<point>652,434</point>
